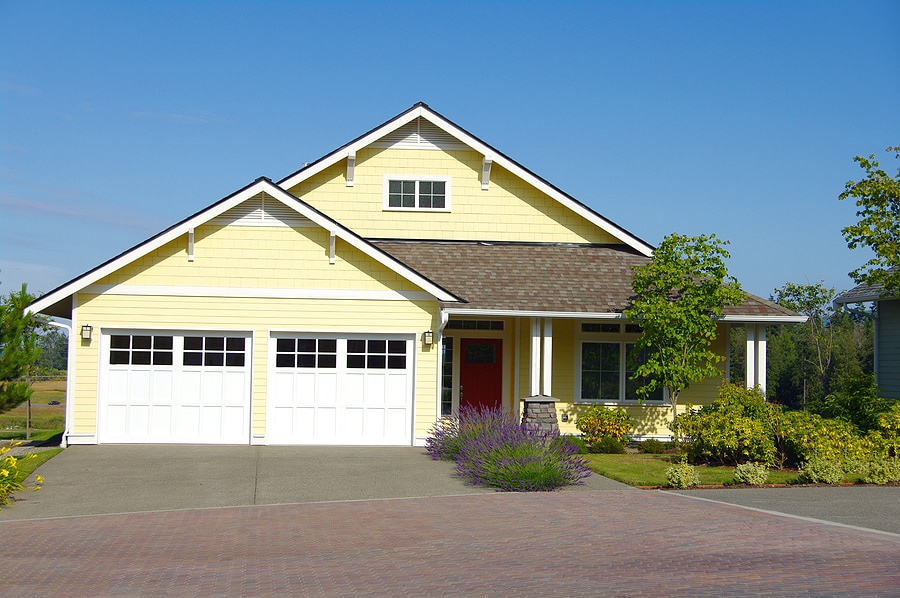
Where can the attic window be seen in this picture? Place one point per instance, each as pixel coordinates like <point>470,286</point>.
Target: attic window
<point>423,193</point>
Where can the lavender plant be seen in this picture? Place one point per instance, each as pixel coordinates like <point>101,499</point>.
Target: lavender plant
<point>496,451</point>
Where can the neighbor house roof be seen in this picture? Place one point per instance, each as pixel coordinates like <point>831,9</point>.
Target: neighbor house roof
<point>860,294</point>
<point>545,279</point>
<point>422,110</point>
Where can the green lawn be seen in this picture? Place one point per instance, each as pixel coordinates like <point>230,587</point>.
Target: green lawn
<point>650,470</point>
<point>46,420</point>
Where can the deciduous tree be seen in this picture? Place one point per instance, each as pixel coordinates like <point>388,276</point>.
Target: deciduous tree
<point>878,199</point>
<point>678,298</point>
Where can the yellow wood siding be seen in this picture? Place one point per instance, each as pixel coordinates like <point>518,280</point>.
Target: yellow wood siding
<point>259,257</point>
<point>511,210</point>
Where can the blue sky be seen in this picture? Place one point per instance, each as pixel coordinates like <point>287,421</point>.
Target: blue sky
<point>118,119</point>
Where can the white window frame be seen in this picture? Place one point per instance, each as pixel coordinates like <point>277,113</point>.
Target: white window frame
<point>417,178</point>
<point>622,339</point>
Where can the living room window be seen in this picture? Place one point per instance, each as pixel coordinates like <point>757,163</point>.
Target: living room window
<point>426,193</point>
<point>607,359</point>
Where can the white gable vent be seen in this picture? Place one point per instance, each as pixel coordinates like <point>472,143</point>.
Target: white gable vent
<point>261,210</point>
<point>420,134</point>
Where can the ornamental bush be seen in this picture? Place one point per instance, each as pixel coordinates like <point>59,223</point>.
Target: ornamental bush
<point>682,476</point>
<point>801,436</point>
<point>652,446</point>
<point>608,446</point>
<point>883,471</point>
<point>754,474</point>
<point>599,422</point>
<point>822,470</point>
<point>449,433</point>
<point>735,428</point>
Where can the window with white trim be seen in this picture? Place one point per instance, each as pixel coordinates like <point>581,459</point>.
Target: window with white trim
<point>140,349</point>
<point>425,193</point>
<point>607,359</point>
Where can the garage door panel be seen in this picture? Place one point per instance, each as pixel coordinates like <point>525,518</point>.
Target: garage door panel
<point>354,390</point>
<point>171,387</point>
<point>139,387</point>
<point>374,390</point>
<point>161,420</point>
<point>234,388</point>
<point>326,390</point>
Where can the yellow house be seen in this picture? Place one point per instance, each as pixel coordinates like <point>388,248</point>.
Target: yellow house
<point>409,272</point>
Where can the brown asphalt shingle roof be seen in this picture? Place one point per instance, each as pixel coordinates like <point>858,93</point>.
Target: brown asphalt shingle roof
<point>566,278</point>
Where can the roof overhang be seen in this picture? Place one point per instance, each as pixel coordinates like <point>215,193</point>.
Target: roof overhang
<point>501,313</point>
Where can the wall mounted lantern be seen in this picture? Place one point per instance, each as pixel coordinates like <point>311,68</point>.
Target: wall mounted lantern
<point>86,332</point>
<point>428,338</point>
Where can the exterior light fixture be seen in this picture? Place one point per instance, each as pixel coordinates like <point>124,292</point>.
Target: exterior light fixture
<point>86,332</point>
<point>428,338</point>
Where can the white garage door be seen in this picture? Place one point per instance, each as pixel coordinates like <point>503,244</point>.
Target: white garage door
<point>340,390</point>
<point>175,387</point>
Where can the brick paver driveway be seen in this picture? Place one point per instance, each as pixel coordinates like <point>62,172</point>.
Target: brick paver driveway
<point>589,543</point>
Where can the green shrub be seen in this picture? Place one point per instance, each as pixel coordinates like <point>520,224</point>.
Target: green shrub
<point>887,432</point>
<point>855,401</point>
<point>754,474</point>
<point>580,445</point>
<point>599,422</point>
<point>735,428</point>
<point>801,435</point>
<point>682,475</point>
<point>609,446</point>
<point>883,471</point>
<point>652,446</point>
<point>822,470</point>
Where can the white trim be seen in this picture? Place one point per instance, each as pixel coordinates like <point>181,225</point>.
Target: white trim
<point>262,185</point>
<point>486,172</point>
<point>190,245</point>
<point>548,356</point>
<point>331,247</point>
<point>417,178</point>
<point>255,292</point>
<point>485,150</point>
<point>535,357</point>
<point>351,165</point>
<point>511,313</point>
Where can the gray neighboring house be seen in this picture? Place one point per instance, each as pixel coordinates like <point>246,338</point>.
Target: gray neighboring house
<point>887,334</point>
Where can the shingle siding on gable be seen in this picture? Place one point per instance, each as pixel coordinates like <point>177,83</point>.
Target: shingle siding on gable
<point>511,210</point>
<point>889,347</point>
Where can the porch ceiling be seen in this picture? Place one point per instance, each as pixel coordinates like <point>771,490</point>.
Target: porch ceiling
<point>560,278</point>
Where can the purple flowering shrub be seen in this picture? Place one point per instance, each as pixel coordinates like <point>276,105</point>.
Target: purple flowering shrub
<point>449,433</point>
<point>491,449</point>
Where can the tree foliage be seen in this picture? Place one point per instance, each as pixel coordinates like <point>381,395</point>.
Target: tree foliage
<point>678,298</point>
<point>878,199</point>
<point>18,348</point>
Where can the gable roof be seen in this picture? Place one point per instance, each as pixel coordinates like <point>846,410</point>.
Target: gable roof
<point>422,110</point>
<point>561,280</point>
<point>58,301</point>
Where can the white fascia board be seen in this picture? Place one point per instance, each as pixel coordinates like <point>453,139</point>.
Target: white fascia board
<point>764,319</point>
<point>484,150</point>
<point>540,184</point>
<point>512,313</point>
<point>146,247</point>
<point>343,152</point>
<point>262,185</point>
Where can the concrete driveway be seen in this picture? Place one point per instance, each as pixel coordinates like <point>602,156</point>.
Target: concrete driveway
<point>93,480</point>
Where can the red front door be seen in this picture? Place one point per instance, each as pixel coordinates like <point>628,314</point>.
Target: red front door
<point>481,372</point>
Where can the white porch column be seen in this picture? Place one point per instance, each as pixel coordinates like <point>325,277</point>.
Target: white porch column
<point>756,356</point>
<point>548,356</point>
<point>535,357</point>
<point>750,373</point>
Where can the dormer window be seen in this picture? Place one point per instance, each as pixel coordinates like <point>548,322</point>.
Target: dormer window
<point>424,193</point>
